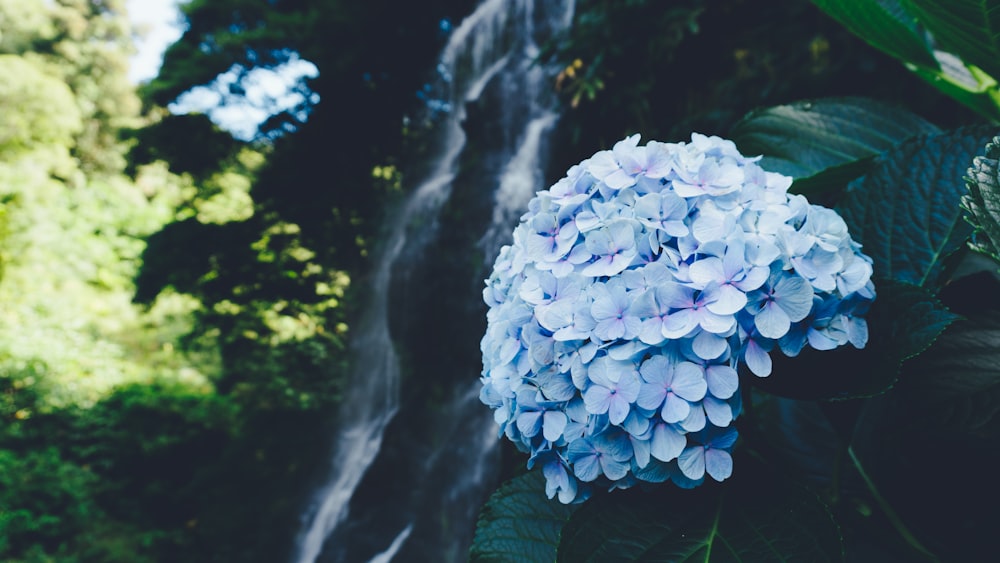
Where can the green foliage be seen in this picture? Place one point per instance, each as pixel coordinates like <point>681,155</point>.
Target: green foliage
<point>968,28</point>
<point>127,432</point>
<point>825,143</point>
<point>982,202</point>
<point>519,524</point>
<point>948,397</point>
<point>37,110</point>
<point>885,25</point>
<point>190,143</point>
<point>904,321</point>
<point>906,211</point>
<point>962,30</point>
<point>758,516</point>
<point>701,66</point>
<point>45,499</point>
<point>955,384</point>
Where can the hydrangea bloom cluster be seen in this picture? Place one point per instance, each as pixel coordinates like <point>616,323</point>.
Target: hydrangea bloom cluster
<point>635,288</point>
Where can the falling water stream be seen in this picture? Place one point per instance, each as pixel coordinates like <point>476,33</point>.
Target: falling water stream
<point>444,466</point>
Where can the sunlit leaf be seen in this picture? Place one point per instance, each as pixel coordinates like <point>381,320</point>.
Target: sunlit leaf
<point>885,25</point>
<point>968,28</point>
<point>891,26</point>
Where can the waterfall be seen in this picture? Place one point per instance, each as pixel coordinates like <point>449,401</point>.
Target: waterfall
<point>356,515</point>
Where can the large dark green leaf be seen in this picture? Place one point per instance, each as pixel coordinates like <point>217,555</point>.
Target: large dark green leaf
<point>942,420</point>
<point>983,201</point>
<point>968,28</point>
<point>825,143</point>
<point>884,24</point>
<point>799,436</point>
<point>906,210</point>
<point>756,516</point>
<point>518,524</point>
<point>903,322</point>
<point>955,385</point>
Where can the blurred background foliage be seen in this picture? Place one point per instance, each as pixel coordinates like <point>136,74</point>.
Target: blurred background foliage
<point>175,304</point>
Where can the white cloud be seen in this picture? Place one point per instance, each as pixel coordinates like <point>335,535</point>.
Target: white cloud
<point>267,92</point>
<point>156,24</point>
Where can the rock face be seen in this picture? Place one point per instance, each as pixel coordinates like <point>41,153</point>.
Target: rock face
<point>417,453</point>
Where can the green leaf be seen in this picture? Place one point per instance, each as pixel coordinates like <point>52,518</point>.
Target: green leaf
<point>971,87</point>
<point>756,516</point>
<point>799,437</point>
<point>956,384</point>
<point>888,25</point>
<point>982,203</point>
<point>825,143</point>
<point>885,25</point>
<point>903,322</point>
<point>968,28</point>
<point>906,212</point>
<point>519,524</point>
<point>940,425</point>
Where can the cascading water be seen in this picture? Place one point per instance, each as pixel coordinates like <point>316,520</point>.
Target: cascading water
<point>410,487</point>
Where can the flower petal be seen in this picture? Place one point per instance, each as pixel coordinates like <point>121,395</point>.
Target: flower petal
<point>718,464</point>
<point>692,462</point>
<point>666,443</point>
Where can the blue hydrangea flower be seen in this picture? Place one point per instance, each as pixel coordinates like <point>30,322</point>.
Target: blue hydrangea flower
<point>634,290</point>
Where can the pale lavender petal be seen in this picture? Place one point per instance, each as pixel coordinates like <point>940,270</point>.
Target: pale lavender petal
<point>641,450</point>
<point>695,421</point>
<point>651,396</point>
<point>619,179</point>
<point>679,324</point>
<point>651,331</point>
<point>553,424</point>
<point>666,443</point>
<point>618,409</point>
<point>718,464</point>
<point>675,409</point>
<point>772,321</point>
<point>597,399</point>
<point>655,370</point>
<point>757,359</point>
<point>719,412</point>
<point>722,380</point>
<point>688,382</point>
<point>613,469</point>
<point>587,468</point>
<point>602,164</point>
<point>795,295</point>
<point>754,278</point>
<point>709,346</point>
<point>707,270</point>
<point>628,386</point>
<point>529,423</point>
<point>692,462</point>
<point>728,301</point>
<point>714,323</point>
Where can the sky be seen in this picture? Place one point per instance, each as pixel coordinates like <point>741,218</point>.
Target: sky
<point>158,23</point>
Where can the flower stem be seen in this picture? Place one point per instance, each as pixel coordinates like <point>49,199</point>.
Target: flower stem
<point>890,514</point>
